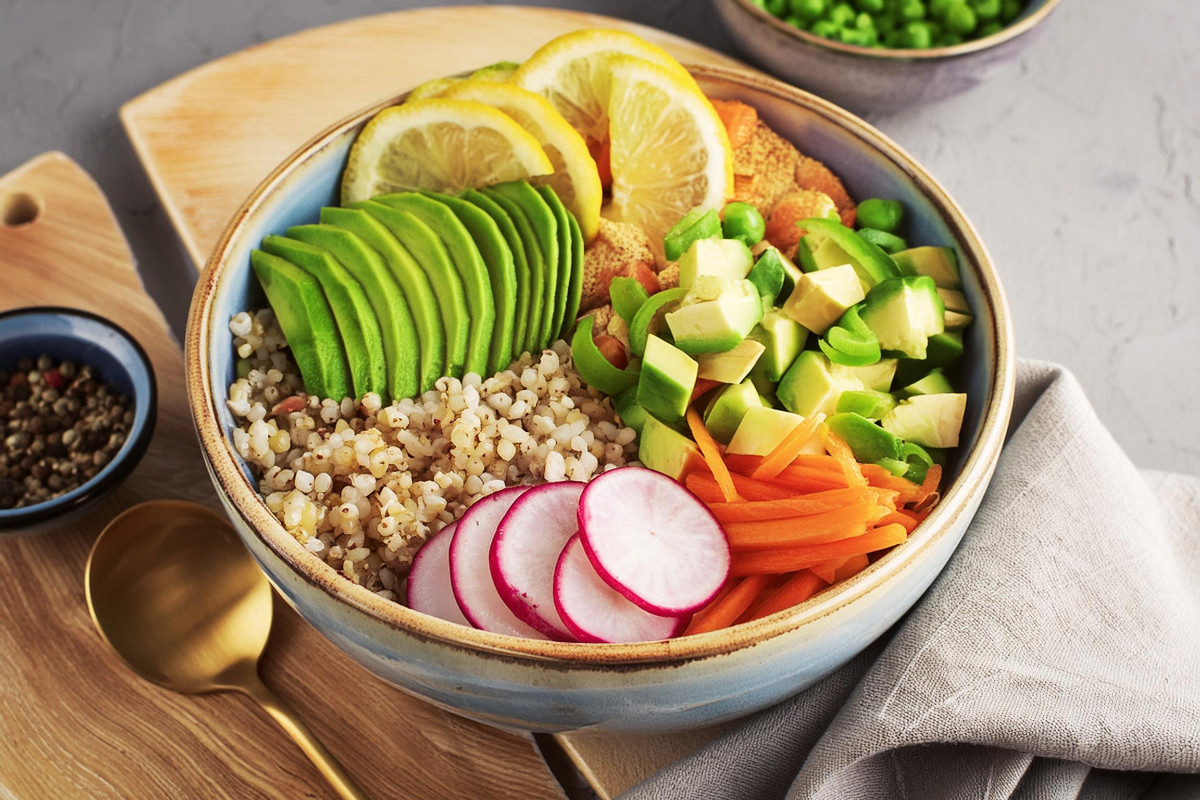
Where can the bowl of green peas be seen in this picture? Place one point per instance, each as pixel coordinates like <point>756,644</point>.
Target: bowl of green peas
<point>869,55</point>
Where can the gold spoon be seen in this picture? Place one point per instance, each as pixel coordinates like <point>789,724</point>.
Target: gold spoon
<point>175,593</point>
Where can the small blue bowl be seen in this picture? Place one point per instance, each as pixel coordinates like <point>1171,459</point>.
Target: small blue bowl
<point>120,362</point>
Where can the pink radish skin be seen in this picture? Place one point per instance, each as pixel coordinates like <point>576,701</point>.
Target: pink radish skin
<point>595,612</point>
<point>653,541</point>
<point>470,576</point>
<point>429,588</point>
<point>525,551</point>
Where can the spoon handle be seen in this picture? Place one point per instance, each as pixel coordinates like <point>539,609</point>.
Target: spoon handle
<point>321,758</point>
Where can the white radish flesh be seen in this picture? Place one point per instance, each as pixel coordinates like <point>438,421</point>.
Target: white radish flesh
<point>595,612</point>
<point>653,541</point>
<point>525,551</point>
<point>429,580</point>
<point>470,575</point>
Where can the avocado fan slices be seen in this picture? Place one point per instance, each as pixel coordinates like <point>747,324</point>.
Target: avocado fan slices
<point>523,270</point>
<point>545,229</point>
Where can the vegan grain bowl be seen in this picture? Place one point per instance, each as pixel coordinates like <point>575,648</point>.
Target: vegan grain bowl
<point>553,427</point>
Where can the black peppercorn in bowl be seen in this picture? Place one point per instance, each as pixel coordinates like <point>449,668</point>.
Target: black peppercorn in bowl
<point>77,410</point>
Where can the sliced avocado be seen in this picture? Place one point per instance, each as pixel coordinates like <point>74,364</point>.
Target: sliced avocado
<point>352,310</point>
<point>822,297</point>
<point>733,365</point>
<point>762,429</point>
<point>809,386</point>
<point>904,313</point>
<point>413,283</point>
<point>943,350</point>
<point>867,403</point>
<point>783,337</point>
<point>666,450</point>
<point>727,409</point>
<point>501,271</point>
<point>716,325</point>
<point>868,441</point>
<point>935,382</point>
<point>534,300</point>
<point>939,263</point>
<point>767,275</point>
<point>400,345</point>
<point>575,287</point>
<point>468,263</point>
<point>870,262</point>
<point>930,420</point>
<point>542,222</point>
<point>648,319</point>
<point>667,378</point>
<point>430,254</point>
<point>522,269</point>
<point>725,258</point>
<point>565,254</point>
<point>307,321</point>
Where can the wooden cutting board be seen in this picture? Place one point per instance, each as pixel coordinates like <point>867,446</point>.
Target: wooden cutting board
<point>207,137</point>
<point>74,721</point>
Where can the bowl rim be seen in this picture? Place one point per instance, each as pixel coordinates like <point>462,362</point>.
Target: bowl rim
<point>123,462</point>
<point>242,498</point>
<point>1022,26</point>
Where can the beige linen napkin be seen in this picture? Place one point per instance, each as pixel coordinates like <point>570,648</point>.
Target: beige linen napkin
<point>1057,656</point>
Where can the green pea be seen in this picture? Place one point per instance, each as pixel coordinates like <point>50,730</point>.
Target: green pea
<point>989,29</point>
<point>825,29</point>
<point>938,8</point>
<point>794,21</point>
<point>884,24</point>
<point>881,214</point>
<point>1010,10</point>
<point>870,6</point>
<point>856,37</point>
<point>896,39</point>
<point>777,7</point>
<point>808,10</point>
<point>960,18</point>
<point>986,10</point>
<point>919,37</point>
<point>760,3</point>
<point>912,10</point>
<point>948,40</point>
<point>743,221</point>
<point>842,14</point>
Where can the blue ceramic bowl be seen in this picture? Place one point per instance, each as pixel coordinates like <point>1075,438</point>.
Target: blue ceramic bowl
<point>655,686</point>
<point>85,338</point>
<point>870,79</point>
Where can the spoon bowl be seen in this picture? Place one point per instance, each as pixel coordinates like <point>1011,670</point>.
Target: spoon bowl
<point>173,591</point>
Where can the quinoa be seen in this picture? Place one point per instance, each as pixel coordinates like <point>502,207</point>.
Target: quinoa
<point>363,485</point>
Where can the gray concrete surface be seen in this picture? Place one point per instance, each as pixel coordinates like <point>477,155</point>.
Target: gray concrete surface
<point>1078,167</point>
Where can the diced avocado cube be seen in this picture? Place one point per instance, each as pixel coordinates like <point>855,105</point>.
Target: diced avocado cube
<point>935,382</point>
<point>666,450</point>
<point>716,325</point>
<point>930,420</point>
<point>726,410</point>
<point>877,376</point>
<point>821,298</point>
<point>724,258</point>
<point>763,428</point>
<point>783,337</point>
<point>667,378</point>
<point>767,275</point>
<point>954,300</point>
<point>955,321</point>
<point>791,274</point>
<point>869,442</point>
<point>869,261</point>
<point>867,403</point>
<point>809,386</point>
<point>943,350</point>
<point>733,365</point>
<point>938,263</point>
<point>694,225</point>
<point>904,313</point>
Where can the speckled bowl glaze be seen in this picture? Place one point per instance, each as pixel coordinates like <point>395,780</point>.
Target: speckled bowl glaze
<point>85,338</point>
<point>656,686</point>
<point>867,79</point>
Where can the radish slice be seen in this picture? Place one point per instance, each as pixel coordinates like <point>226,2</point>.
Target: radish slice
<point>595,612</point>
<point>652,540</point>
<point>526,549</point>
<point>470,576</point>
<point>429,580</point>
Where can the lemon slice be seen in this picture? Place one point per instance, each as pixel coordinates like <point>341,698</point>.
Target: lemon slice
<point>575,179</point>
<point>571,72</point>
<point>440,145</point>
<point>669,150</point>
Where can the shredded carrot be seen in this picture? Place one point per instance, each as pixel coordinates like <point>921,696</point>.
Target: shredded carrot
<point>878,476</point>
<point>851,567</point>
<point>801,586</point>
<point>827,570</point>
<point>807,479</point>
<point>712,455</point>
<point>838,448</point>
<point>705,487</point>
<point>799,505</point>
<point>928,493</point>
<point>747,464</point>
<point>827,526</point>
<point>727,609</point>
<point>786,451</point>
<point>702,387</point>
<point>789,559</point>
<point>897,518</point>
<point>740,120</point>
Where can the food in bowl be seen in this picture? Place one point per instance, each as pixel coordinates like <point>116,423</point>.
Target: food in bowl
<point>897,24</point>
<point>694,357</point>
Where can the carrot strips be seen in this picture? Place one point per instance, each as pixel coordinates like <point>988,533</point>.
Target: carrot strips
<point>712,455</point>
<point>851,567</point>
<point>707,489</point>
<point>801,586</point>
<point>899,518</point>
<point>799,505</point>
<point>928,493</point>
<point>827,526</point>
<point>790,559</point>
<point>702,387</point>
<point>725,610</point>
<point>838,448</point>
<point>786,451</point>
<point>827,570</point>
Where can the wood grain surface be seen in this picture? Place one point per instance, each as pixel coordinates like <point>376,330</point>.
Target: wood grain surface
<point>74,721</point>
